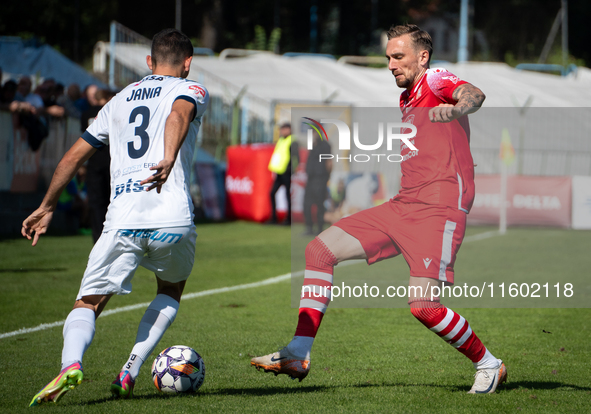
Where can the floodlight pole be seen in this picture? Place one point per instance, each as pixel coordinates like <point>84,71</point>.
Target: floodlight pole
<point>564,33</point>
<point>177,20</point>
<point>112,36</point>
<point>463,38</point>
<point>313,27</point>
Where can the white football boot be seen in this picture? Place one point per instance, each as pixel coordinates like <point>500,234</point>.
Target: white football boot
<point>486,381</point>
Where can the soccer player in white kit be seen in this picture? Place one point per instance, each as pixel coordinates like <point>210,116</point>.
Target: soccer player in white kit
<point>148,126</point>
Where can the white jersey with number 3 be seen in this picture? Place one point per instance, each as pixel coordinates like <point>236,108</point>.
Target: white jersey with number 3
<point>132,124</point>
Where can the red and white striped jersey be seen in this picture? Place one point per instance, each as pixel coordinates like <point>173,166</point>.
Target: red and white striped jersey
<point>441,170</point>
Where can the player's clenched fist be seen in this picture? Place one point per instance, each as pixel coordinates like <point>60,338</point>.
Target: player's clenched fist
<point>444,113</point>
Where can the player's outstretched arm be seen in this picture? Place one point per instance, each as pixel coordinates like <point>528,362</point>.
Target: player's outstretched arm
<point>469,97</point>
<point>175,132</point>
<point>37,223</point>
<point>469,100</point>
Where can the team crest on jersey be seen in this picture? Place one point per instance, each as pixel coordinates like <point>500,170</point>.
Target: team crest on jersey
<point>419,92</point>
<point>452,78</point>
<point>197,90</point>
<point>408,120</point>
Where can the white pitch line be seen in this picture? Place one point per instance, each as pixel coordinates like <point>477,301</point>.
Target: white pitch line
<point>481,236</point>
<point>187,296</point>
<point>270,281</point>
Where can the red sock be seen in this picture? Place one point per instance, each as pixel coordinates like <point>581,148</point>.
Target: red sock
<point>449,325</point>
<point>315,296</point>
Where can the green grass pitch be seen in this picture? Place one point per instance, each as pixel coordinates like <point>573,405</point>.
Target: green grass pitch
<point>364,360</point>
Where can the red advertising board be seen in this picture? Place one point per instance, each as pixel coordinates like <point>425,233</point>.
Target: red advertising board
<point>531,201</point>
<point>249,181</point>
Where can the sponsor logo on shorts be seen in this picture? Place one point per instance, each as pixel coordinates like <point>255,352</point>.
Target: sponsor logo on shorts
<point>156,235</point>
<point>427,262</point>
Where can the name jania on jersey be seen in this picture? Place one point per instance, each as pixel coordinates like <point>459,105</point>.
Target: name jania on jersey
<point>143,93</point>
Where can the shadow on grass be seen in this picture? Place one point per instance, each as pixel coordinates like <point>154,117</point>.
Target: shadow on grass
<point>29,270</point>
<point>146,397</point>
<point>284,390</point>
<point>525,385</point>
<point>541,385</point>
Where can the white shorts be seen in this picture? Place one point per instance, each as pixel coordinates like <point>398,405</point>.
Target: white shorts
<point>168,252</point>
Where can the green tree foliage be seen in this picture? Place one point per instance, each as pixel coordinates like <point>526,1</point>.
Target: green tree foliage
<point>260,39</point>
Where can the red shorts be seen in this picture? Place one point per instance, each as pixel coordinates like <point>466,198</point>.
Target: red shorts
<point>428,236</point>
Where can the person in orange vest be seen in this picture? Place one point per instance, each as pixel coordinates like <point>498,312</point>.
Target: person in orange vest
<point>281,165</point>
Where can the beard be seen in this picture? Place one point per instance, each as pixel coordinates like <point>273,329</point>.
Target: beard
<point>403,82</point>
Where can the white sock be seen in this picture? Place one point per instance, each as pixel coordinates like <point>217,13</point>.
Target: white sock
<point>78,334</point>
<point>301,346</point>
<point>488,361</point>
<point>157,318</point>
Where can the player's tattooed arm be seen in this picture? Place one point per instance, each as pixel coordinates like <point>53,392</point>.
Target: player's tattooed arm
<point>468,96</point>
<point>469,100</point>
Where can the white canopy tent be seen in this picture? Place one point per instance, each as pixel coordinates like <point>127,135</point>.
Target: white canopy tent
<point>266,82</point>
<point>275,78</point>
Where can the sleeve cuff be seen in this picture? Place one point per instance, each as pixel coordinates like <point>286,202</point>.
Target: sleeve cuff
<point>190,100</point>
<point>88,137</point>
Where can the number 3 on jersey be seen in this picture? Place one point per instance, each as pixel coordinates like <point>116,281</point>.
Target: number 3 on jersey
<point>140,131</point>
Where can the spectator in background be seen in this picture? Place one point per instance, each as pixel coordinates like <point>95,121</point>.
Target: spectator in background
<point>58,92</point>
<point>33,114</point>
<point>281,165</point>
<point>46,91</point>
<point>29,107</point>
<point>98,174</point>
<point>23,94</point>
<point>73,92</point>
<point>318,172</point>
<point>88,98</point>
<point>35,103</point>
<point>68,100</point>
<point>7,94</point>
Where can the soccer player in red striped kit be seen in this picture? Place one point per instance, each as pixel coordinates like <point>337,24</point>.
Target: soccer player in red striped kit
<point>425,222</point>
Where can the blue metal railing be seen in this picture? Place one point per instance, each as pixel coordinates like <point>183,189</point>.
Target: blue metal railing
<point>546,67</point>
<point>312,55</point>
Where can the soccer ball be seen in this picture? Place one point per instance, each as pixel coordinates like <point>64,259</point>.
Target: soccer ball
<point>178,369</point>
